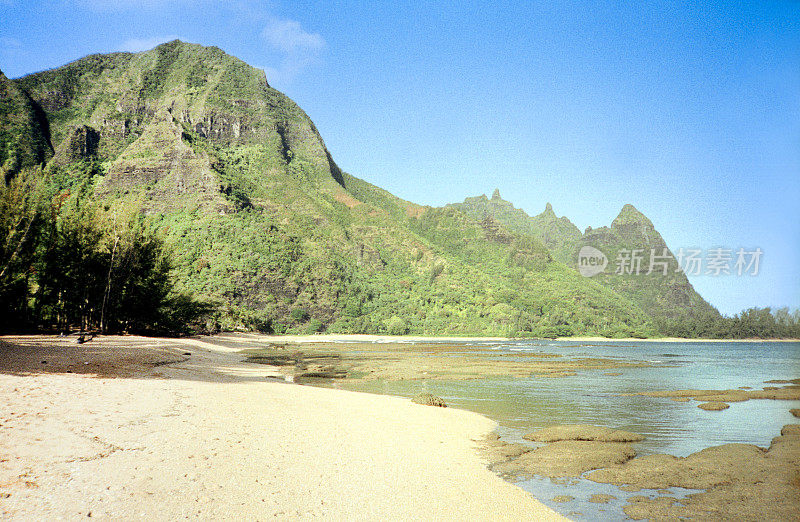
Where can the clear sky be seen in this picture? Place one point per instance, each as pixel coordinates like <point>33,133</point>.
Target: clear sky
<point>690,111</point>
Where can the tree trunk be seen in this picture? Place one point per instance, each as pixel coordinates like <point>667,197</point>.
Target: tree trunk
<point>107,293</point>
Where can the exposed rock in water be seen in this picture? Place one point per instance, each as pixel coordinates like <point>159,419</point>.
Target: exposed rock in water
<point>705,469</point>
<point>322,372</point>
<point>795,412</point>
<point>428,399</point>
<point>560,374</point>
<point>788,393</point>
<point>713,406</point>
<point>583,432</point>
<point>601,498</point>
<point>642,507</point>
<point>496,450</point>
<point>742,481</point>
<point>567,458</point>
<point>563,498</point>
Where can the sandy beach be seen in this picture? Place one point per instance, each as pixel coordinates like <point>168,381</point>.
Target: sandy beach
<point>130,427</point>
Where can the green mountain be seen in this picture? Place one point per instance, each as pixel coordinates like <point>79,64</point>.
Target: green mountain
<point>24,136</point>
<point>260,222</point>
<point>557,234</point>
<point>642,267</point>
<point>629,244</point>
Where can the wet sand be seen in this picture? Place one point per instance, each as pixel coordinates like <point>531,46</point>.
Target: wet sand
<point>130,427</point>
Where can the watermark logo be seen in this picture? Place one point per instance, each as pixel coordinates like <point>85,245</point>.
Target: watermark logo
<point>719,261</point>
<point>691,261</point>
<point>591,261</point>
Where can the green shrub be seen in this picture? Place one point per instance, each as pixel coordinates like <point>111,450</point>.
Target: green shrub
<point>396,326</point>
<point>299,315</point>
<point>314,326</point>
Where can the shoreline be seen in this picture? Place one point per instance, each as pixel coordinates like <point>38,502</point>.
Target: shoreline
<point>674,340</point>
<point>739,475</point>
<point>367,338</point>
<point>131,414</point>
<point>143,422</point>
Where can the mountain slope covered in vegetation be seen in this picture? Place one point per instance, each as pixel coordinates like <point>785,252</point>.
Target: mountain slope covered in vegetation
<point>24,135</point>
<point>663,292</point>
<point>190,150</point>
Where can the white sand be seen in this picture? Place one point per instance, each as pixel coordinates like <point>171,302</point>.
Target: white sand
<point>214,438</point>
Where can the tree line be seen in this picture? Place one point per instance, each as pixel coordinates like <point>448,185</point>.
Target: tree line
<point>753,323</point>
<point>69,262</point>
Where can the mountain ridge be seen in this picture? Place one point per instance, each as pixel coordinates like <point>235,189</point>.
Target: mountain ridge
<point>670,297</point>
<point>263,223</point>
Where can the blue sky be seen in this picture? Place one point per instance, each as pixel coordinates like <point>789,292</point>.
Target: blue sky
<point>689,111</point>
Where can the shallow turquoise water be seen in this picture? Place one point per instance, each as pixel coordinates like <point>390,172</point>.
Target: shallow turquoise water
<point>590,397</point>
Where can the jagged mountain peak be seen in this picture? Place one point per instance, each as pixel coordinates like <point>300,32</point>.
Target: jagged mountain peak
<point>629,215</point>
<point>672,295</point>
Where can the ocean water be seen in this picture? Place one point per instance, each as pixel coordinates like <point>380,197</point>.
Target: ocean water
<point>592,397</point>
